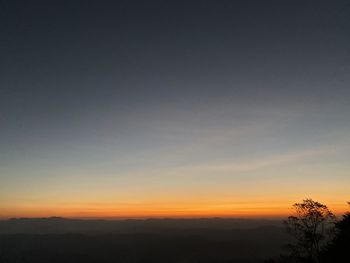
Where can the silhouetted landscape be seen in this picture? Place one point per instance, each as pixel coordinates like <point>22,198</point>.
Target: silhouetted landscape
<point>311,235</point>
<point>150,240</point>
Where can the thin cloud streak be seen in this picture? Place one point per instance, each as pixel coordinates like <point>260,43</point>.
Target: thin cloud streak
<point>276,160</point>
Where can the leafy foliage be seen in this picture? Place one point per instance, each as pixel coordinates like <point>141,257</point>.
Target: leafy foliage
<point>311,226</point>
<point>338,249</point>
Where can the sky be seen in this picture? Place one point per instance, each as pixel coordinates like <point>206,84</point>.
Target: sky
<point>173,108</point>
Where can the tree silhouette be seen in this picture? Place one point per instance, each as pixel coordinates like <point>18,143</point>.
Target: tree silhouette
<point>310,226</point>
<point>338,249</point>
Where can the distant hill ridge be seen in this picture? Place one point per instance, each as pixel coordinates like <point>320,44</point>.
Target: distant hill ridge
<point>60,225</point>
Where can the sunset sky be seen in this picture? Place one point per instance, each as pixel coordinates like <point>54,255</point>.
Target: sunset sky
<point>173,108</point>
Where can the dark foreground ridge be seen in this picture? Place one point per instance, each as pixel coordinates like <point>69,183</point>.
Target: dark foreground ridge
<point>151,240</point>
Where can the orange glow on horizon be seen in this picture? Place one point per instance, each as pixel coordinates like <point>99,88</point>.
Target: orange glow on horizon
<point>157,211</point>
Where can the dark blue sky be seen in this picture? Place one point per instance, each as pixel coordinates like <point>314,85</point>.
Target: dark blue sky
<point>99,90</point>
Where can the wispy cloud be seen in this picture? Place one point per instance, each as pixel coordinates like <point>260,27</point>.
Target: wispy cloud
<point>252,165</point>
